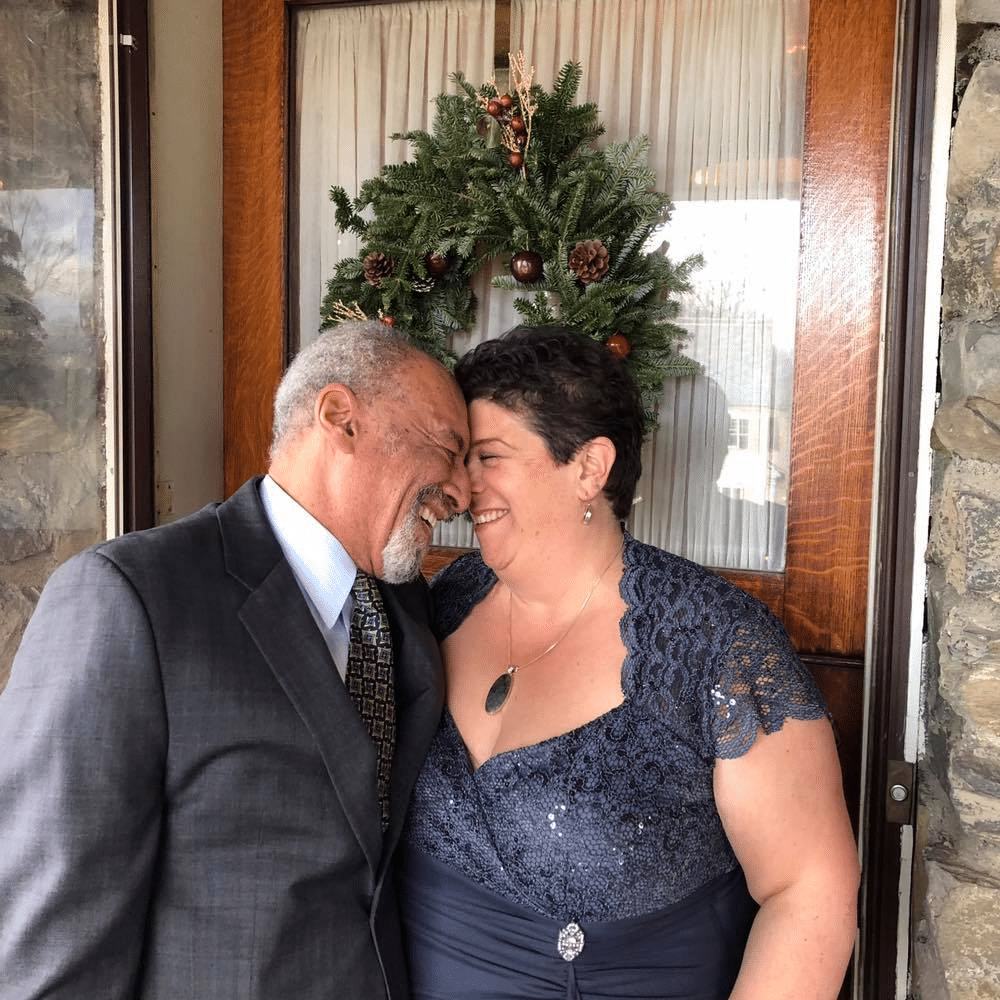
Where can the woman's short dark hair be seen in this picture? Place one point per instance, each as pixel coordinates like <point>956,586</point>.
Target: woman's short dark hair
<point>570,389</point>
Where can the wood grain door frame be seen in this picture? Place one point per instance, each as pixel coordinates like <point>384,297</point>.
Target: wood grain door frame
<point>823,595</point>
<point>137,487</point>
<point>896,561</point>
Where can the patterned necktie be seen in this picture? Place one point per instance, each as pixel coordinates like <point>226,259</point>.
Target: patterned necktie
<point>369,679</point>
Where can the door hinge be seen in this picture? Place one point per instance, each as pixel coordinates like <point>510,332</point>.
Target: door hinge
<point>900,791</point>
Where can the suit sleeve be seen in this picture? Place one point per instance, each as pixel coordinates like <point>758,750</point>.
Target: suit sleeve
<point>82,750</point>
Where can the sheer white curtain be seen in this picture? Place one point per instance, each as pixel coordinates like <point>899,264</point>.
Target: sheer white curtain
<point>719,88</point>
<point>362,74</point>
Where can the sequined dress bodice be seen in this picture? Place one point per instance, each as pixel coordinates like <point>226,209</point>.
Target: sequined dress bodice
<point>617,818</point>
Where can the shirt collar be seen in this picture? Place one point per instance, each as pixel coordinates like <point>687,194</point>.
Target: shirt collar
<point>321,565</point>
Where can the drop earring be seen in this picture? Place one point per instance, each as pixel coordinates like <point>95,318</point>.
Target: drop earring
<point>588,514</point>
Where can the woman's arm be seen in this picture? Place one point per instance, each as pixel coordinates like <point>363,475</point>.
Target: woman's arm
<point>782,806</point>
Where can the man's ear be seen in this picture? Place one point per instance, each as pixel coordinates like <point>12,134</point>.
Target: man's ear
<point>595,458</point>
<point>336,414</point>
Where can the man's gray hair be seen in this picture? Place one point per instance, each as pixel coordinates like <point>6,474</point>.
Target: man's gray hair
<point>364,356</point>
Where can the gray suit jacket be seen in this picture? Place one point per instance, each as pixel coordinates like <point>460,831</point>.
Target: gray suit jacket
<point>187,804</point>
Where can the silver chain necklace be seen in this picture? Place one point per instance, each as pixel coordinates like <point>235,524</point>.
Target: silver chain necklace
<point>501,688</point>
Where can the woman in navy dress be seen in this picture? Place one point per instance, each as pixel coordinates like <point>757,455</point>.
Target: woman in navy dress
<point>634,792</point>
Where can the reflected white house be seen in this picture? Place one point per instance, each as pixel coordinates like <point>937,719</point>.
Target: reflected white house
<point>715,474</point>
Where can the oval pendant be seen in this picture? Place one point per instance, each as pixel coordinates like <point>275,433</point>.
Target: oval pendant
<point>499,691</point>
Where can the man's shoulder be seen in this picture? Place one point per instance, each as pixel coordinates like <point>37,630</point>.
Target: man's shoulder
<point>197,532</point>
<point>235,525</point>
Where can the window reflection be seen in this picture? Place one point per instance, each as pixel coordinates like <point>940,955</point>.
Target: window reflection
<point>52,337</point>
<point>715,473</point>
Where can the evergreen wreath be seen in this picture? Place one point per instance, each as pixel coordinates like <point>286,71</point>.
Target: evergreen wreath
<point>517,177</point>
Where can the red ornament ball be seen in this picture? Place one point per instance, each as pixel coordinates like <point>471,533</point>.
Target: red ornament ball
<point>618,346</point>
<point>506,101</point>
<point>521,139</point>
<point>437,264</point>
<point>516,159</point>
<point>388,320</point>
<point>526,266</point>
<point>494,108</point>
<point>517,124</point>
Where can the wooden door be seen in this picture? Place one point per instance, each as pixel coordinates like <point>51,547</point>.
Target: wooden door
<point>822,595</point>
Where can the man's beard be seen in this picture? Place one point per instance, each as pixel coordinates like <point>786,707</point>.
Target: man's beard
<point>404,552</point>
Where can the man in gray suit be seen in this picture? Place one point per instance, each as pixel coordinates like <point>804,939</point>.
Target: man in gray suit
<point>193,803</point>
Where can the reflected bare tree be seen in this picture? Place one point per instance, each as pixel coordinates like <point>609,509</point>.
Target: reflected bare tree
<point>23,371</point>
<point>52,466</point>
<point>42,251</point>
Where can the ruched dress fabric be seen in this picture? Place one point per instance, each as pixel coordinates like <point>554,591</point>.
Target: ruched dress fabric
<point>612,826</point>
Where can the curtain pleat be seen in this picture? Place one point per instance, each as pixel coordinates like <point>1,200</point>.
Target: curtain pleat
<point>362,74</point>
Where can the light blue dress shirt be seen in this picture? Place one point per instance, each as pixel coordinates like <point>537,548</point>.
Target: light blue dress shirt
<point>323,569</point>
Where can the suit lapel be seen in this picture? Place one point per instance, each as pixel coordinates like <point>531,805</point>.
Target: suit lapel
<point>278,620</point>
<point>419,696</point>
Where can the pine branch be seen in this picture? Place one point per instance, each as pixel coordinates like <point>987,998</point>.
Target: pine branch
<point>458,195</point>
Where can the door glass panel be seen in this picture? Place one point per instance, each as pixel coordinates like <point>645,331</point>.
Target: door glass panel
<point>719,88</point>
<point>715,470</point>
<point>53,328</point>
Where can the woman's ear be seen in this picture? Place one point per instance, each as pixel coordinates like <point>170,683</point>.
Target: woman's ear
<point>595,457</point>
<point>336,415</point>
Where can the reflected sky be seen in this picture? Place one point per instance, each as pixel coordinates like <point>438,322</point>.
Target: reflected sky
<point>55,227</point>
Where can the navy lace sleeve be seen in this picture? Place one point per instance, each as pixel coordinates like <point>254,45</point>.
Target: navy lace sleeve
<point>456,589</point>
<point>706,644</point>
<point>760,683</point>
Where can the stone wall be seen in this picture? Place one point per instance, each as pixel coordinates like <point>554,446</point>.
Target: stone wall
<point>956,898</point>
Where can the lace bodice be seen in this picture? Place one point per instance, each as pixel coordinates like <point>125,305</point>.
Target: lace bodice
<point>617,818</point>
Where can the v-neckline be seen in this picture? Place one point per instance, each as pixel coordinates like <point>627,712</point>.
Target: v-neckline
<point>527,747</point>
<point>627,628</point>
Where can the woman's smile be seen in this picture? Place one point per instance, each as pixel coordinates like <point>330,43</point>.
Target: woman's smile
<point>487,516</point>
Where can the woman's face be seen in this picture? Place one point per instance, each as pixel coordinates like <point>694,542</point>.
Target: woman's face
<point>521,499</point>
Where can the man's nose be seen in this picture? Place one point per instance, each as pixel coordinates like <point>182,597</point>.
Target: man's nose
<point>459,487</point>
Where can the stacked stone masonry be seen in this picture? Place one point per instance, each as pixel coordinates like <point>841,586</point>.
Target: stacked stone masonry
<point>956,898</point>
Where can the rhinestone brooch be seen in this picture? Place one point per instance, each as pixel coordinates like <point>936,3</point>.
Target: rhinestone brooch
<point>570,941</point>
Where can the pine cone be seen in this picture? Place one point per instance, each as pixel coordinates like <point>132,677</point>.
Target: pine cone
<point>589,261</point>
<point>378,266</point>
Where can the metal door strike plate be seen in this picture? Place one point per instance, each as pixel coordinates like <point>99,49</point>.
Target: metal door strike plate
<point>900,791</point>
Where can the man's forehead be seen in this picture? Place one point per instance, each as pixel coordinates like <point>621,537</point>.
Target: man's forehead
<point>443,389</point>
<point>433,402</point>
<point>447,424</point>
